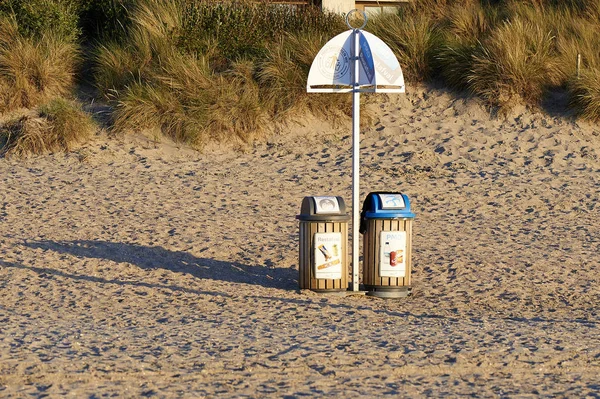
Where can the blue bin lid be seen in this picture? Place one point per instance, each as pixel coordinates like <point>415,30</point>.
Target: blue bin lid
<point>387,205</point>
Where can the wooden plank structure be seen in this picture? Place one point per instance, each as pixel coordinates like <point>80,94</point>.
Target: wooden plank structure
<point>373,282</point>
<point>373,6</point>
<point>306,268</point>
<point>370,6</point>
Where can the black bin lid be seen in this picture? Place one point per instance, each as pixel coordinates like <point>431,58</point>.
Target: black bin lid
<point>323,209</point>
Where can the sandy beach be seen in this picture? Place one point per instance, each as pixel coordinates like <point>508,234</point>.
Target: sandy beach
<point>130,268</point>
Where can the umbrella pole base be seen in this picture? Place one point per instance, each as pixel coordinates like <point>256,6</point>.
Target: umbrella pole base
<point>388,292</point>
<point>341,293</point>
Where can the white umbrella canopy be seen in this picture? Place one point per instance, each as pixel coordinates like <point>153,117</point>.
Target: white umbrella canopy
<point>332,71</point>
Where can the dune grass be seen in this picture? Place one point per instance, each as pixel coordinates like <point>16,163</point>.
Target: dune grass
<point>201,71</point>
<point>189,103</point>
<point>196,70</point>
<point>506,53</point>
<point>37,70</point>
<point>32,70</point>
<point>232,30</point>
<point>578,35</point>
<point>415,39</point>
<point>515,64</point>
<point>585,94</point>
<point>156,86</point>
<point>57,125</point>
<point>514,52</point>
<point>464,27</point>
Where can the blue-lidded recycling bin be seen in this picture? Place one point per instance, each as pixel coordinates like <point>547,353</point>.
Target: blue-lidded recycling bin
<point>323,255</point>
<point>386,224</point>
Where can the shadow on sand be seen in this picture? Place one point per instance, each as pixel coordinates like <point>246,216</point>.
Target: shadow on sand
<point>146,257</point>
<point>182,262</point>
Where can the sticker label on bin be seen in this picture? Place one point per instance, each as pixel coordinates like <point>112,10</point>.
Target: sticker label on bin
<point>392,201</point>
<point>328,256</point>
<point>392,254</point>
<point>326,205</point>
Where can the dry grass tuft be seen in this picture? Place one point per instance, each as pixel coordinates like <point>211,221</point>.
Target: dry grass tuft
<point>58,125</point>
<point>284,80</point>
<point>70,124</point>
<point>146,106</point>
<point>189,103</point>
<point>148,46</point>
<point>466,25</point>
<point>117,67</point>
<point>592,10</point>
<point>33,70</point>
<point>238,108</point>
<point>515,65</point>
<point>585,94</point>
<point>413,37</point>
<point>579,36</point>
<point>24,136</point>
<point>469,22</point>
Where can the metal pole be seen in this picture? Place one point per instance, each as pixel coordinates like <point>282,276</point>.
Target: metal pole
<point>355,164</point>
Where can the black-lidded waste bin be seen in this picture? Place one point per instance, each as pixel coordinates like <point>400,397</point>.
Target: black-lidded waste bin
<point>323,262</point>
<point>386,225</point>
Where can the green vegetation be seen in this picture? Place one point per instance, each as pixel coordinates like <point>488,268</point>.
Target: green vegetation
<point>38,17</point>
<point>233,30</point>
<point>198,70</point>
<point>102,20</point>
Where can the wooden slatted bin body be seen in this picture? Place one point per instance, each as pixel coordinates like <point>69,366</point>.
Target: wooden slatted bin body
<point>323,244</point>
<point>372,245</point>
<point>308,273</point>
<point>387,245</point>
